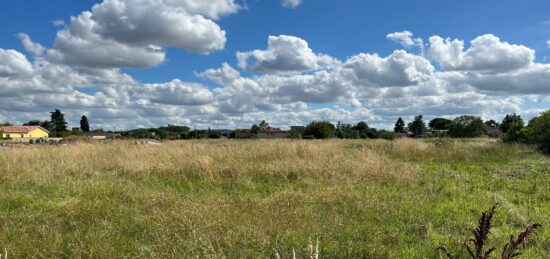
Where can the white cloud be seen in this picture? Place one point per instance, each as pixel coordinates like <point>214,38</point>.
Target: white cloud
<point>58,23</point>
<point>365,86</point>
<point>291,3</point>
<point>405,38</point>
<point>221,76</point>
<point>284,54</point>
<point>30,46</point>
<point>398,69</point>
<point>176,93</point>
<point>487,54</point>
<point>212,8</point>
<point>13,63</point>
<point>548,43</point>
<point>134,33</point>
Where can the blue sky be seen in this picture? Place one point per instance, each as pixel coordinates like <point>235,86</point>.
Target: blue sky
<point>339,29</point>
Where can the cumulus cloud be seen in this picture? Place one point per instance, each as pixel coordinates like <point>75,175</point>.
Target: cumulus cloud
<point>291,3</point>
<point>221,76</point>
<point>212,9</point>
<point>13,63</point>
<point>31,46</point>
<point>134,33</point>
<point>398,69</point>
<point>176,92</point>
<point>293,84</point>
<point>283,54</point>
<point>405,38</point>
<point>487,54</point>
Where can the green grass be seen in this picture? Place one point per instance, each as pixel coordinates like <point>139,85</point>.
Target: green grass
<point>213,199</point>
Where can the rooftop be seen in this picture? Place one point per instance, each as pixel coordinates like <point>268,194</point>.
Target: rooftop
<point>19,129</point>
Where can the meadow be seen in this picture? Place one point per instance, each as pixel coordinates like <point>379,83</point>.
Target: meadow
<point>256,199</point>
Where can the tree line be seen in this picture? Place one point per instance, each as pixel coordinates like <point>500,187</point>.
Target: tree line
<point>513,128</point>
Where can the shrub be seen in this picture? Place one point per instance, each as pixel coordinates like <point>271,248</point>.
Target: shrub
<point>384,134</point>
<point>466,127</point>
<point>320,129</point>
<point>538,132</point>
<point>509,120</point>
<point>516,134</point>
<point>440,124</point>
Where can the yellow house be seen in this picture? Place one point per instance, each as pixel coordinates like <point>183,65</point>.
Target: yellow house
<point>18,132</point>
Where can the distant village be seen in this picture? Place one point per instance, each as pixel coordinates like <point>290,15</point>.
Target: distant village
<point>55,131</point>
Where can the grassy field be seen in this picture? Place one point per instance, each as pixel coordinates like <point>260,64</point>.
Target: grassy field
<point>214,199</point>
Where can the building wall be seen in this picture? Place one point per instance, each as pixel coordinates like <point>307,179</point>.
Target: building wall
<point>37,133</point>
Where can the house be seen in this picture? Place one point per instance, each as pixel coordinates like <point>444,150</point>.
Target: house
<point>494,132</point>
<point>23,132</point>
<point>272,133</point>
<point>243,133</point>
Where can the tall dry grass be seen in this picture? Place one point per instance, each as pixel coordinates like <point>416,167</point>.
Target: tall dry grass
<point>220,199</point>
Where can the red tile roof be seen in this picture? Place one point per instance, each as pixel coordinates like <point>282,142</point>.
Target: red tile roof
<point>19,129</point>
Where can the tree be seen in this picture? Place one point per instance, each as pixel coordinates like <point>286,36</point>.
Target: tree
<point>320,129</point>
<point>59,124</point>
<point>467,127</point>
<point>516,134</point>
<point>264,125</point>
<point>492,123</point>
<point>399,126</point>
<point>361,129</point>
<point>255,128</point>
<point>84,125</point>
<point>346,131</point>
<point>5,124</point>
<point>33,123</point>
<point>47,125</point>
<point>439,124</point>
<point>417,127</point>
<point>361,126</point>
<point>538,132</point>
<point>509,120</point>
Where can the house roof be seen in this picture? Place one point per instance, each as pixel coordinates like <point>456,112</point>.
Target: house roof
<point>20,129</point>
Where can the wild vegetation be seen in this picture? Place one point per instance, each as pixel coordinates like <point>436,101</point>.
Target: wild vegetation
<point>226,198</point>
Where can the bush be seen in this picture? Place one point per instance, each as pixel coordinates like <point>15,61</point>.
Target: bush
<point>516,134</point>
<point>439,124</point>
<point>467,127</point>
<point>384,134</point>
<point>320,129</point>
<point>538,132</point>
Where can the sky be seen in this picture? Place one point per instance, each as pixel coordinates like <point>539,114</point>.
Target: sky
<point>231,63</point>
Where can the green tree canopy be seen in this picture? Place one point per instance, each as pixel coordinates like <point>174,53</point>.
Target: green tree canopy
<point>59,124</point>
<point>509,120</point>
<point>538,132</point>
<point>399,126</point>
<point>439,124</point>
<point>320,129</point>
<point>492,123</point>
<point>467,127</point>
<point>84,125</point>
<point>33,123</point>
<point>417,127</point>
